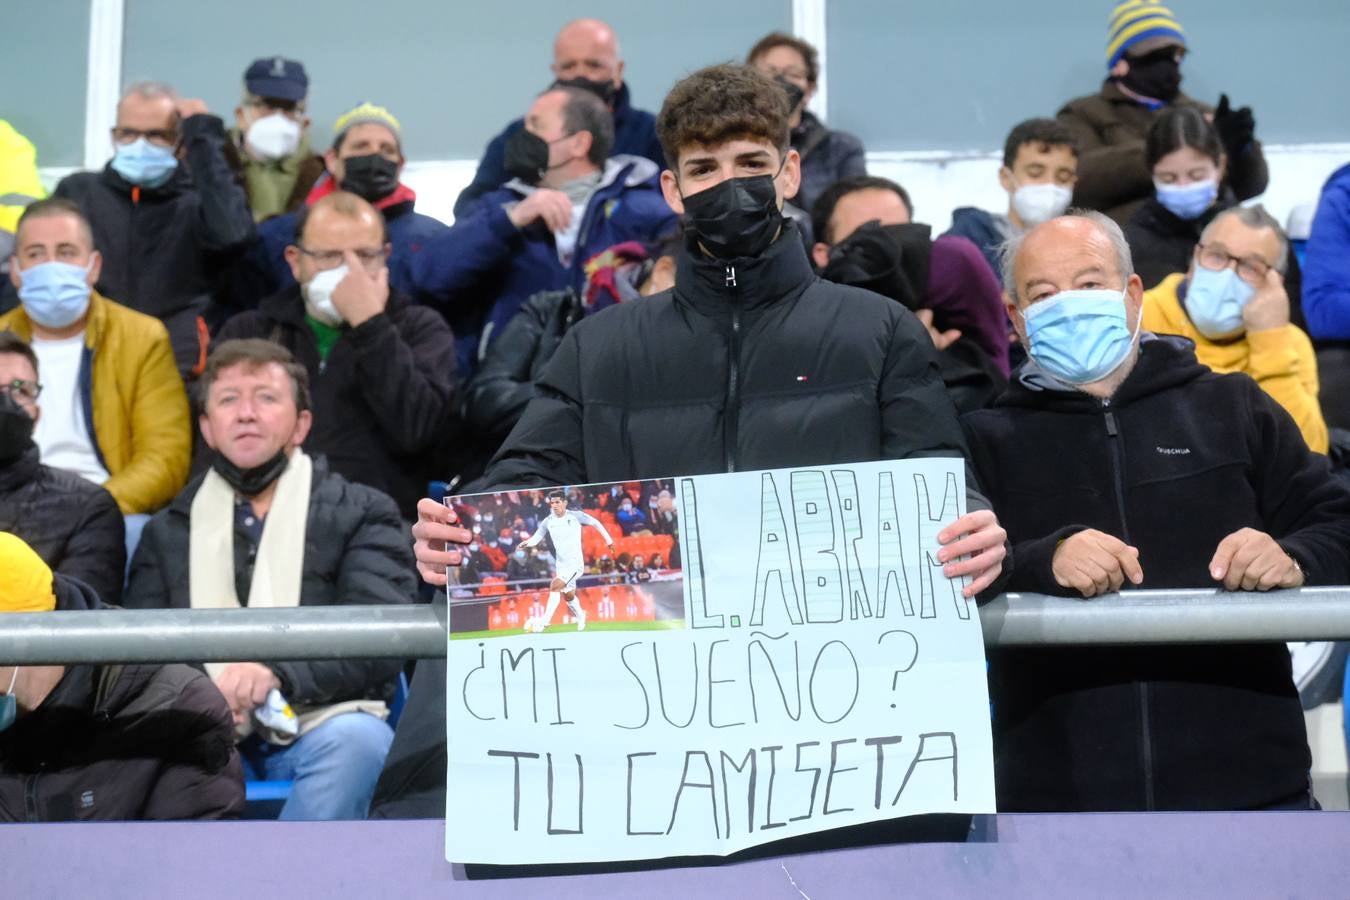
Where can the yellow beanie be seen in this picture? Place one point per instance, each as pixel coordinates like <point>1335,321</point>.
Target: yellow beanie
<point>25,580</point>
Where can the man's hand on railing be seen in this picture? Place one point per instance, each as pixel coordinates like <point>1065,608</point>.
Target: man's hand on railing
<point>438,537</point>
<point>1251,560</point>
<point>1093,562</point>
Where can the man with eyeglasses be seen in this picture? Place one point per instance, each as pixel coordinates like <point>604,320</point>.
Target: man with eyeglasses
<point>1145,46</point>
<point>270,140</point>
<point>381,369</point>
<point>366,159</point>
<point>166,212</point>
<point>1232,303</point>
<point>73,524</point>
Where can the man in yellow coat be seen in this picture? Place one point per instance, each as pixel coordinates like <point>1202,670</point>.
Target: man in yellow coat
<point>1233,305</point>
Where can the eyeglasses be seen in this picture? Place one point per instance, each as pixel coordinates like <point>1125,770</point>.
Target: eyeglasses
<point>160,137</point>
<point>29,390</point>
<point>371,259</point>
<point>1251,269</point>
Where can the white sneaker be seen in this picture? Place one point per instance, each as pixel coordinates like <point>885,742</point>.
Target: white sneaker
<point>532,625</point>
<point>581,620</point>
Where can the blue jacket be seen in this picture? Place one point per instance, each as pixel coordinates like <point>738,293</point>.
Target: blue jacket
<point>409,232</point>
<point>981,228</point>
<point>482,270</point>
<point>1326,274</point>
<point>634,135</point>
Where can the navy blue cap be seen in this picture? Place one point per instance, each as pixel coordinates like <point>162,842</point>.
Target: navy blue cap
<point>277,78</point>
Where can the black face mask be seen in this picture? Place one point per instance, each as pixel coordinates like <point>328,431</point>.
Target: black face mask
<point>370,177</point>
<point>891,260</point>
<point>250,482</point>
<point>525,156</point>
<point>16,429</point>
<point>1156,75</point>
<point>605,90</point>
<point>794,93</point>
<point>735,218</point>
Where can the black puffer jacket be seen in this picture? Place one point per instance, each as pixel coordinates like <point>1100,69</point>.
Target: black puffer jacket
<point>73,524</point>
<point>504,383</point>
<point>384,399</point>
<point>756,364</point>
<point>164,248</point>
<point>121,742</point>
<point>1179,459</point>
<point>356,553</point>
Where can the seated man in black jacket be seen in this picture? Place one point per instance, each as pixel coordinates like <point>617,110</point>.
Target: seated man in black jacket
<point>167,214</point>
<point>269,527</point>
<point>72,523</point>
<point>791,371</point>
<point>382,370</point>
<point>106,742</point>
<point>1118,462</point>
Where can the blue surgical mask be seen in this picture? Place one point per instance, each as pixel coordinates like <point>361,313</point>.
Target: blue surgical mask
<point>520,555</point>
<point>54,294</point>
<point>9,705</point>
<point>1214,302</point>
<point>1187,201</point>
<point>1079,336</point>
<point>144,163</point>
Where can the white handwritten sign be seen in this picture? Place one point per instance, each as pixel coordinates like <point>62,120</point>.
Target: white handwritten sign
<point>798,662</point>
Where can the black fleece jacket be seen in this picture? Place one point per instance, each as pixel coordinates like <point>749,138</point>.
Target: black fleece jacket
<point>1177,460</point>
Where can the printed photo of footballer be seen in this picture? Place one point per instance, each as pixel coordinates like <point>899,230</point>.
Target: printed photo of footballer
<point>598,557</point>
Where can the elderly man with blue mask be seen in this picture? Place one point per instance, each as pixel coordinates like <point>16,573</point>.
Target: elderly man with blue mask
<point>1233,304</point>
<point>1116,460</point>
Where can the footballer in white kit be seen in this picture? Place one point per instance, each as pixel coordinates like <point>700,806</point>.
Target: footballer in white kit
<point>563,526</point>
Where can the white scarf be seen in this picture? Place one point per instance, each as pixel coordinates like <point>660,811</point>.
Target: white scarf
<point>281,552</point>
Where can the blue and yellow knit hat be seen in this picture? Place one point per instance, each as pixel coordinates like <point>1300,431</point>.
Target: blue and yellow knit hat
<point>1136,21</point>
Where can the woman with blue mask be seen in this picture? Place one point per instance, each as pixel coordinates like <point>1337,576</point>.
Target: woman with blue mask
<point>1187,161</point>
<point>1233,303</point>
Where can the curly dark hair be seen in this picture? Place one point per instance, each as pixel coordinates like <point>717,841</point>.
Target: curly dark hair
<point>722,103</point>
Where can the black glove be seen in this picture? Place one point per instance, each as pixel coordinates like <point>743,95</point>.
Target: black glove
<point>1237,128</point>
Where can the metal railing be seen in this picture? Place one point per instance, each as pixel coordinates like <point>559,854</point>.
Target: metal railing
<point>419,632</point>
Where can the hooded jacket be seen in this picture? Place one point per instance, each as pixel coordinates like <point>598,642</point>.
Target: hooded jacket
<point>73,524</point>
<point>1113,172</point>
<point>135,406</point>
<point>384,398</point>
<point>634,135</point>
<point>750,364</point>
<point>1177,460</point>
<point>482,270</point>
<point>121,742</point>
<point>164,247</point>
<point>356,552</point>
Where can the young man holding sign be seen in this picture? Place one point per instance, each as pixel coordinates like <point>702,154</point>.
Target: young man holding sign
<point>750,362</point>
<point>564,528</point>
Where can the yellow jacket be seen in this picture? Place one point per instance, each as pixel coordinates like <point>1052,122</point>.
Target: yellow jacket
<point>19,183</point>
<point>1281,360</point>
<point>129,380</point>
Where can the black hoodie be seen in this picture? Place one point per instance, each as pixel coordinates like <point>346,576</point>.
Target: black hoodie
<point>1178,459</point>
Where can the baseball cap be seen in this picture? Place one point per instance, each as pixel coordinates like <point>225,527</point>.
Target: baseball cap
<point>277,78</point>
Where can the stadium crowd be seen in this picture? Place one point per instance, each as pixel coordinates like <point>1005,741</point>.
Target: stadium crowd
<point>231,362</point>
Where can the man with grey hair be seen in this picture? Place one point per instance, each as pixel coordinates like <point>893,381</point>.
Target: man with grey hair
<point>1117,461</point>
<point>1232,303</point>
<point>166,211</point>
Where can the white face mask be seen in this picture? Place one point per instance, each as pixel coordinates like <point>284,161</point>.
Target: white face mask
<point>318,294</point>
<point>273,137</point>
<point>1037,203</point>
